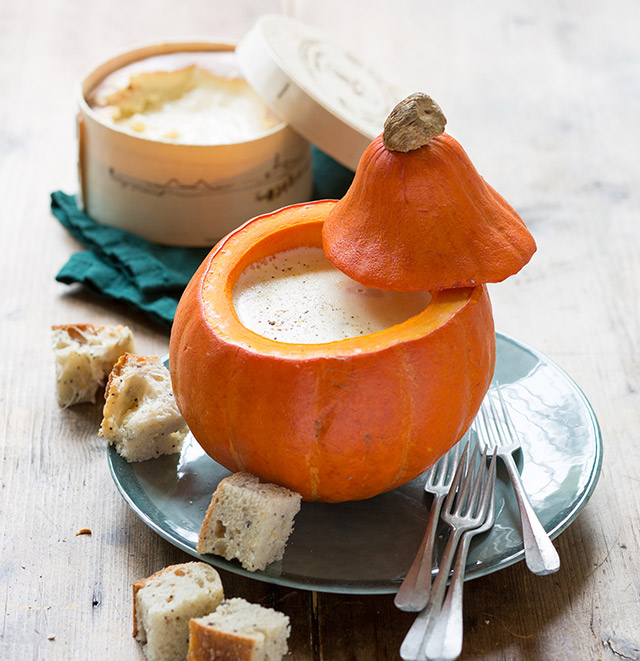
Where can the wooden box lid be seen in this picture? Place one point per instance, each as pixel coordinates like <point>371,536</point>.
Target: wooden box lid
<point>323,92</point>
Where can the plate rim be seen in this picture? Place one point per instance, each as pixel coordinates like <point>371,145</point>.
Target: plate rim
<point>365,587</point>
<point>594,475</point>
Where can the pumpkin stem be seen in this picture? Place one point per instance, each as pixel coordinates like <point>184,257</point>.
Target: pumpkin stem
<point>413,123</point>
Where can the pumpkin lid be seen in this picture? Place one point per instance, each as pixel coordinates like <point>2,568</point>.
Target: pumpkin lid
<point>418,216</point>
<point>323,92</point>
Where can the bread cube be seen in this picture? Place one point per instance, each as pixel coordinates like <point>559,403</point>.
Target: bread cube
<point>240,631</point>
<point>140,417</point>
<point>248,520</point>
<point>164,603</point>
<point>84,356</point>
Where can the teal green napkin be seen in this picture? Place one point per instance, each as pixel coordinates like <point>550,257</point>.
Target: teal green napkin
<point>120,266</point>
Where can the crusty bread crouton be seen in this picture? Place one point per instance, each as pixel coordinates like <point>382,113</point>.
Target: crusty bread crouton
<point>164,603</point>
<point>140,417</point>
<point>249,520</point>
<point>240,631</point>
<point>84,355</point>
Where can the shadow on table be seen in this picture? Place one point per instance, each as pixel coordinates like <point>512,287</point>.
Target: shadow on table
<point>505,613</point>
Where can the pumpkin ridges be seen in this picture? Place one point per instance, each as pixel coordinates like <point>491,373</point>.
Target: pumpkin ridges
<point>408,381</point>
<point>234,406</point>
<point>323,415</point>
<point>188,331</point>
<point>453,390</point>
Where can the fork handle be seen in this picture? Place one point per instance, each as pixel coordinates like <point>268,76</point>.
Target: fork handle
<point>539,551</point>
<point>445,641</point>
<point>412,648</point>
<point>413,594</point>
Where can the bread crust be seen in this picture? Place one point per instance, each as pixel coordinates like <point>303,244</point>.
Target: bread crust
<point>140,415</point>
<point>248,520</point>
<point>137,586</point>
<point>164,602</point>
<point>126,361</point>
<point>239,631</point>
<point>85,354</point>
<point>206,644</point>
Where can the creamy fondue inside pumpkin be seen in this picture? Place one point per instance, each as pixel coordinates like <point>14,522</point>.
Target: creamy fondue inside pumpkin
<point>188,98</point>
<point>299,296</point>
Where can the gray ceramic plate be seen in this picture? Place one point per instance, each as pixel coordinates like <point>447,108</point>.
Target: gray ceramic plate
<point>367,546</point>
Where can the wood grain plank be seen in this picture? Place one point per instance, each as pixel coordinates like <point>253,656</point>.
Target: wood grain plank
<point>544,98</point>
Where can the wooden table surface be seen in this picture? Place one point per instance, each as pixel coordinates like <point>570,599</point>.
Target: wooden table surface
<point>545,97</point>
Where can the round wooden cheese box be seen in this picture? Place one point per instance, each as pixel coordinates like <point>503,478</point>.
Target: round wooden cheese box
<point>192,192</point>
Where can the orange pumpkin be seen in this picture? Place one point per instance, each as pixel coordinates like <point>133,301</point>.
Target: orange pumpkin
<point>337,421</point>
<point>419,217</point>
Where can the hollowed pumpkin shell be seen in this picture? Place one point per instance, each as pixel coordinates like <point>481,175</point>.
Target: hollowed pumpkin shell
<point>336,421</point>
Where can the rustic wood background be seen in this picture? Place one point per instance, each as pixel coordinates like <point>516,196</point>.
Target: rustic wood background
<point>545,97</point>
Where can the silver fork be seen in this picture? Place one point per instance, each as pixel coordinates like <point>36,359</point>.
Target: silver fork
<point>413,594</point>
<point>497,433</point>
<point>445,643</point>
<point>465,508</point>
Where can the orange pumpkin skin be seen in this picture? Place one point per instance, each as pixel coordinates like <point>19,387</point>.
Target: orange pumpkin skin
<point>337,421</point>
<point>424,220</point>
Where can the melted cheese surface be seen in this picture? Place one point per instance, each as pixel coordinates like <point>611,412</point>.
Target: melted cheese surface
<point>299,296</point>
<point>189,98</point>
